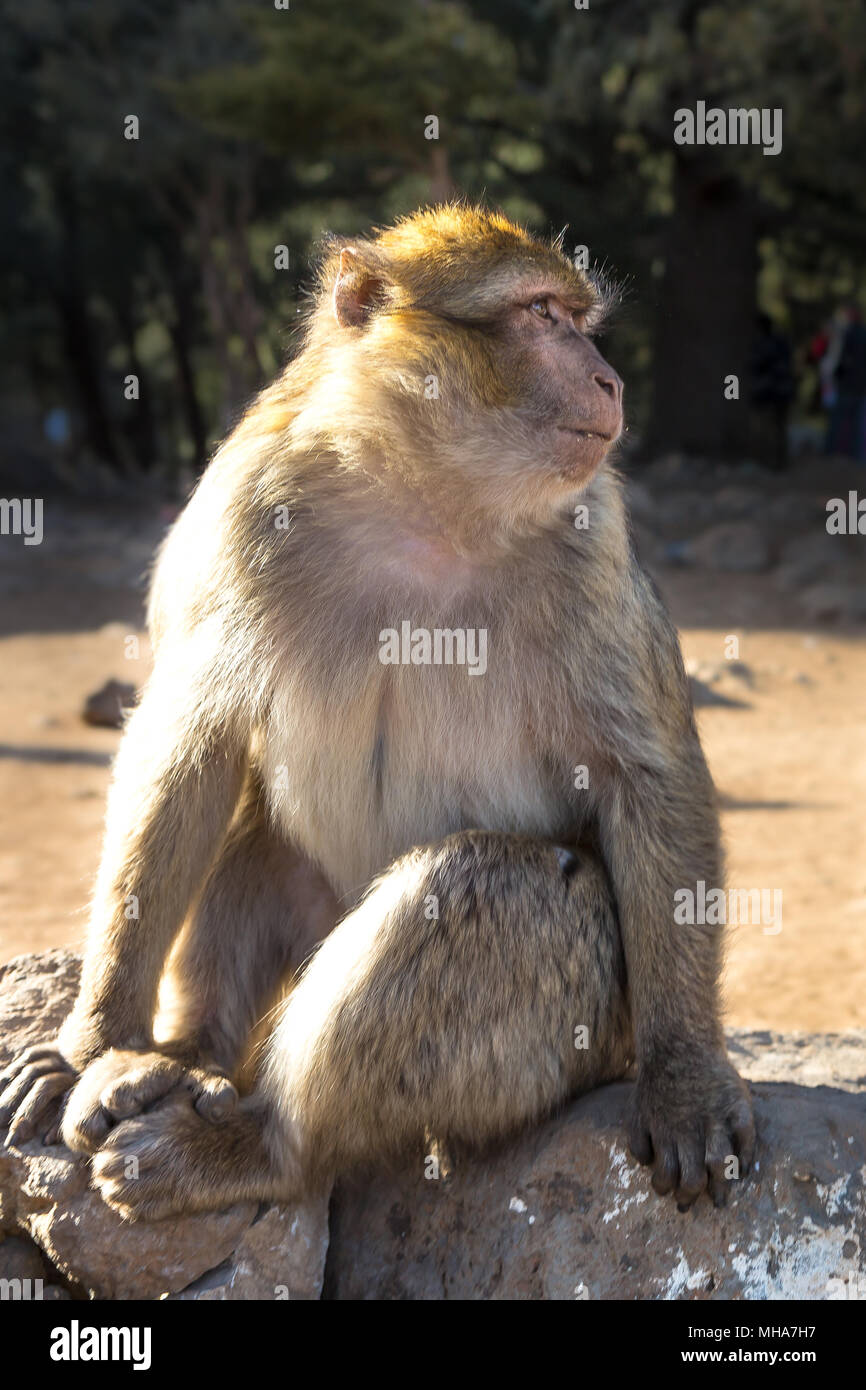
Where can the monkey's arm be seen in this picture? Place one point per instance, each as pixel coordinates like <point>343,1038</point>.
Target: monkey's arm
<point>659,829</point>
<point>177,778</point>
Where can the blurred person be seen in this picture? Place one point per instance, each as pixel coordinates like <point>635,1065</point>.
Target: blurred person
<point>823,354</point>
<point>846,431</point>
<point>772,379</point>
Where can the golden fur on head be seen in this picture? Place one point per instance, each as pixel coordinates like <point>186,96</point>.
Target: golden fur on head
<point>428,389</point>
<point>460,261</point>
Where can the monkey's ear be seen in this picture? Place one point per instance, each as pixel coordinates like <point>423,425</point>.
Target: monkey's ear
<point>356,290</point>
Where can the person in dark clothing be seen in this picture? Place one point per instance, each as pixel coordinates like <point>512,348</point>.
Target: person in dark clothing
<point>772,383</point>
<point>846,432</point>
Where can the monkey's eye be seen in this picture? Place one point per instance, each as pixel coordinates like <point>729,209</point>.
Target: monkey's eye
<point>539,307</point>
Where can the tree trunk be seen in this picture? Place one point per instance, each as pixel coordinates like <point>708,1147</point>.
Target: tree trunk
<point>79,339</point>
<point>180,329</point>
<point>211,224</point>
<point>705,318</point>
<point>246,312</point>
<point>140,422</point>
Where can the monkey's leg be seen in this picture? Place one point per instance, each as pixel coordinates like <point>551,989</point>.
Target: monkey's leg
<point>480,983</point>
<point>177,779</point>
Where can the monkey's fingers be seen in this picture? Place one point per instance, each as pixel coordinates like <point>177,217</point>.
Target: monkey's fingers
<point>693,1170</point>
<point>666,1167</point>
<point>718,1157</point>
<point>743,1126</point>
<point>53,1133</point>
<point>17,1089</point>
<point>214,1095</point>
<point>35,1105</point>
<point>143,1083</point>
<point>640,1141</point>
<point>36,1053</point>
<point>39,1052</point>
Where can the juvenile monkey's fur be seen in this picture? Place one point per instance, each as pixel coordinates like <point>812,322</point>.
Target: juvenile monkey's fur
<point>279,786</point>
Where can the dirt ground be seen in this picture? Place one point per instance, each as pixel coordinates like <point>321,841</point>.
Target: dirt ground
<point>787,751</point>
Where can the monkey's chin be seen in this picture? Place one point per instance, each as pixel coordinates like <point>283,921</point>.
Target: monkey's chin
<point>578,455</point>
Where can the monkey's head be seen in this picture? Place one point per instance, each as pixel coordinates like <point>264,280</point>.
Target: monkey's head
<point>460,349</point>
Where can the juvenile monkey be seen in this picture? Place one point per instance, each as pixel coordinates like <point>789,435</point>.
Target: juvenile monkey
<point>415,469</point>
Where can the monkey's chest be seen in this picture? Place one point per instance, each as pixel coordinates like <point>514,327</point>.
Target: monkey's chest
<point>408,751</point>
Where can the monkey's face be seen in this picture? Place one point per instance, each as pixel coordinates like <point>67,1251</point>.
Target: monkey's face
<point>465,346</point>
<point>564,386</point>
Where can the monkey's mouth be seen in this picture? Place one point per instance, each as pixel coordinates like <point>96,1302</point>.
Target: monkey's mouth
<point>585,434</point>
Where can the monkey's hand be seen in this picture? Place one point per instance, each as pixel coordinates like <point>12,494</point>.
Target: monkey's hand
<point>692,1121</point>
<point>120,1084</point>
<point>31,1088</point>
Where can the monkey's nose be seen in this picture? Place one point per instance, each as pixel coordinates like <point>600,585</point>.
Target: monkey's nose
<point>610,383</point>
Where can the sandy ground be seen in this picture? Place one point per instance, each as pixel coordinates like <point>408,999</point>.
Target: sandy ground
<point>788,757</point>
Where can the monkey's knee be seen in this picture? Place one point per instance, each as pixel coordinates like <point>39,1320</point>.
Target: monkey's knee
<point>479,984</point>
<point>543,917</point>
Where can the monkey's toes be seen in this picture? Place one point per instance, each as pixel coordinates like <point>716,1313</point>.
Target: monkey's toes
<point>148,1078</point>
<point>119,1084</point>
<point>139,1170</point>
<point>84,1124</point>
<point>135,1201</point>
<point>213,1094</point>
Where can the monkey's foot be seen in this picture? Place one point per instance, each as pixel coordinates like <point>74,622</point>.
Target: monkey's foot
<point>120,1084</point>
<point>171,1160</point>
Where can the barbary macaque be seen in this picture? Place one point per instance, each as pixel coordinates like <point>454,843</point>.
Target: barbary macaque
<point>389,851</point>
